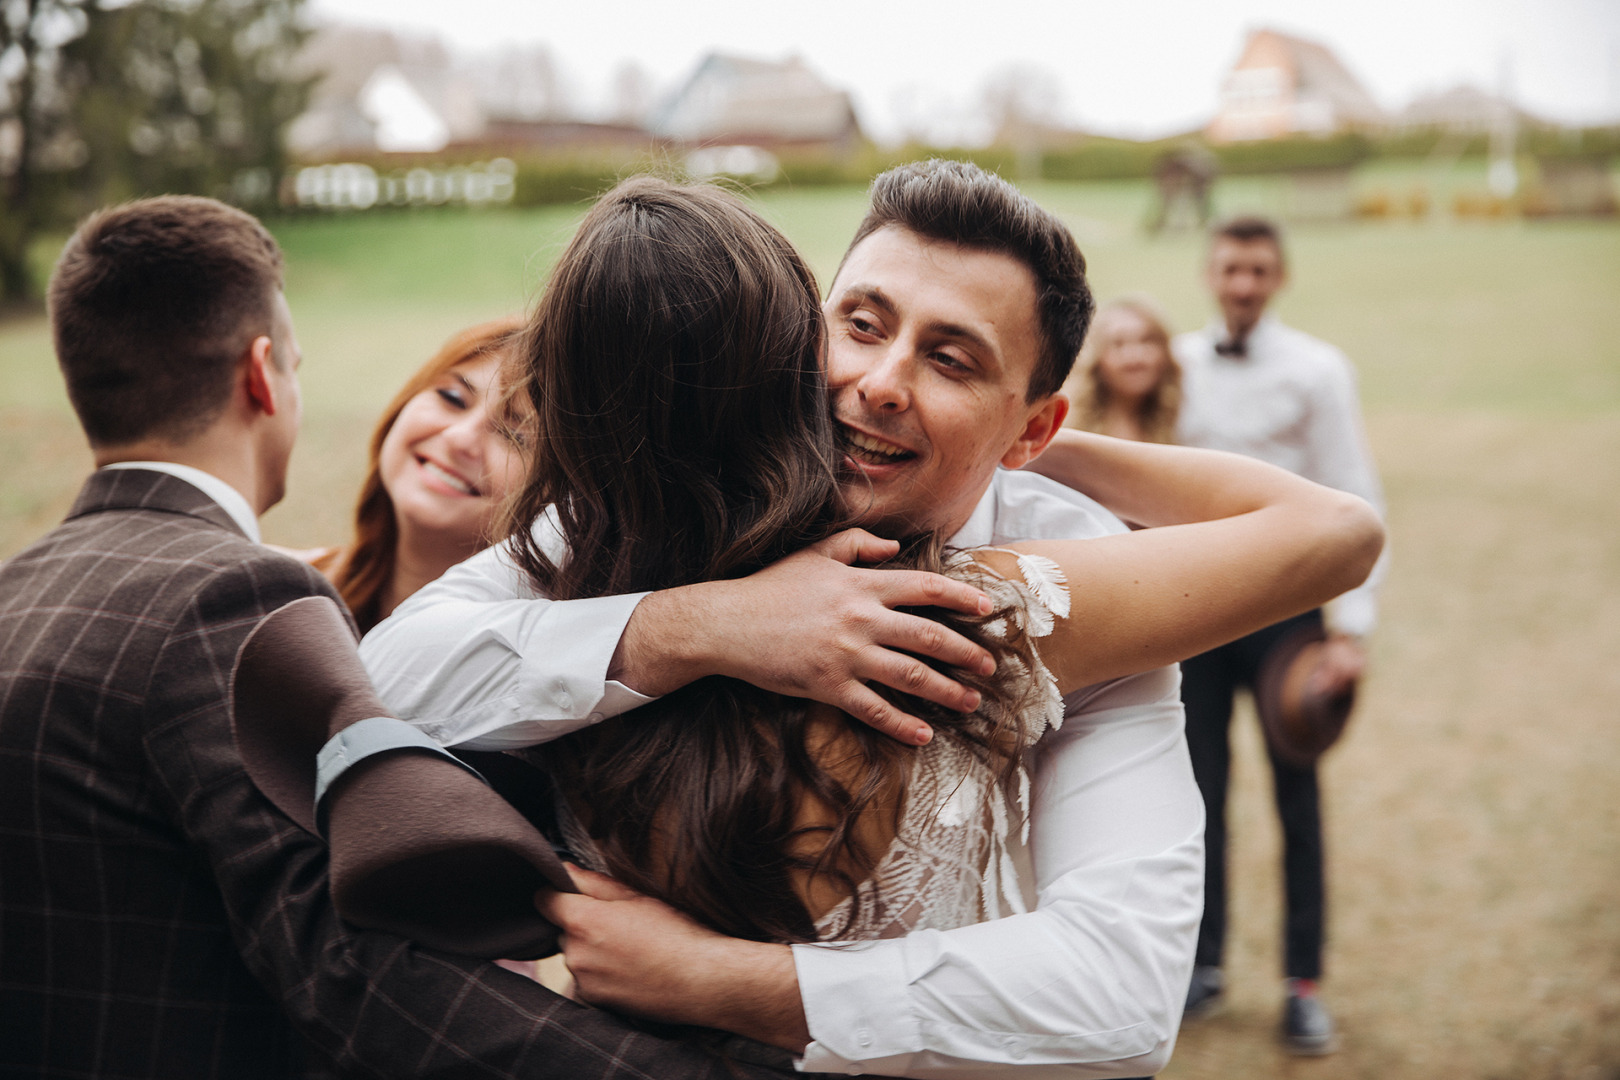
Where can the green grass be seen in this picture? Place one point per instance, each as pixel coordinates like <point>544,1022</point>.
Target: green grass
<point>1472,812</point>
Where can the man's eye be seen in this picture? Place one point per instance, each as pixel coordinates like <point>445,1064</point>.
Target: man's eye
<point>862,324</point>
<point>947,360</point>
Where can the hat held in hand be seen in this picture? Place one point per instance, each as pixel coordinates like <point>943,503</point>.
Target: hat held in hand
<point>421,846</point>
<point>1299,720</point>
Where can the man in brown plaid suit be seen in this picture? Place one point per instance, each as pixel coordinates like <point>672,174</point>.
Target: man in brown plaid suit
<point>158,916</point>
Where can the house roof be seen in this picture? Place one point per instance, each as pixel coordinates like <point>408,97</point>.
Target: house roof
<point>1283,85</point>
<point>743,99</point>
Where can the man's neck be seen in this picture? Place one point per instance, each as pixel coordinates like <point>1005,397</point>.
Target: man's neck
<point>230,460</point>
<point>1241,331</point>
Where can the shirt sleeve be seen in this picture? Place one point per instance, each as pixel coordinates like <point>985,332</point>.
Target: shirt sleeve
<point>1339,458</point>
<point>1091,983</point>
<point>478,659</point>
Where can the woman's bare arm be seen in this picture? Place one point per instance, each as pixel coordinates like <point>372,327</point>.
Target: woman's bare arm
<point>1242,545</point>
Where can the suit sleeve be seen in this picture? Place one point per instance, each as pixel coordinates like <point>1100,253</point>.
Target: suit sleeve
<point>376,1004</point>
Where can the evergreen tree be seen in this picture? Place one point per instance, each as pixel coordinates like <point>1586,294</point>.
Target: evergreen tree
<point>102,102</point>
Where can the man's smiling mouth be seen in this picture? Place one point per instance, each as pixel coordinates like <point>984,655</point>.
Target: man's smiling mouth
<point>871,450</point>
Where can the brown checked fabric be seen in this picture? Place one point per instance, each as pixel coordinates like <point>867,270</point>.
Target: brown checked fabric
<point>418,845</point>
<point>159,917</point>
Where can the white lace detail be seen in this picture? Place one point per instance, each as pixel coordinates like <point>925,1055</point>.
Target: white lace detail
<point>963,835</point>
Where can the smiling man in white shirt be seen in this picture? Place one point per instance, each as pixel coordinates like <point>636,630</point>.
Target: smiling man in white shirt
<point>948,344</point>
<point>1253,386</point>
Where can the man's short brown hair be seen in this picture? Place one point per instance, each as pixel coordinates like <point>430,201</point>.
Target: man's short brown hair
<point>152,305</point>
<point>958,202</point>
<point>1248,229</point>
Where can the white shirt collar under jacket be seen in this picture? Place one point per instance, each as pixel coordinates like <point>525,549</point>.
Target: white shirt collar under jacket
<point>229,499</point>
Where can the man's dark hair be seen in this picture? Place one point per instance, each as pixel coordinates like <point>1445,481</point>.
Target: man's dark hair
<point>958,202</point>
<point>152,305</point>
<point>1248,229</point>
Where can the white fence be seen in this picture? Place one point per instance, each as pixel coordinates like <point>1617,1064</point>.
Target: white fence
<point>359,187</point>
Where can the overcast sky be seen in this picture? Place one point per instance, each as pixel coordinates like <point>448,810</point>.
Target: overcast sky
<point>1136,67</point>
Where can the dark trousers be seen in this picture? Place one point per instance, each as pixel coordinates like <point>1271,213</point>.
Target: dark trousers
<point>1208,683</point>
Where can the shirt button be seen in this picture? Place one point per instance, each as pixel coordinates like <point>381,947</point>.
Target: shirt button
<point>864,1037</point>
<point>596,718</point>
<point>854,1068</point>
<point>565,700</point>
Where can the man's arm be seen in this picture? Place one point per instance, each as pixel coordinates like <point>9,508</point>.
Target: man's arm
<point>478,660</point>
<point>1089,984</point>
<point>373,1002</point>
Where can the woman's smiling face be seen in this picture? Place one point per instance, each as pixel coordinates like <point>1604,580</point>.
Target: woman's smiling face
<point>450,458</point>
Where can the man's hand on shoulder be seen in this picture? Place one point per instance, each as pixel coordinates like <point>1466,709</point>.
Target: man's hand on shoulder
<point>638,956</point>
<point>814,625</point>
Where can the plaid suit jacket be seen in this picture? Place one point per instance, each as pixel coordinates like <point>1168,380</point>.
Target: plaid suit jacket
<point>158,916</point>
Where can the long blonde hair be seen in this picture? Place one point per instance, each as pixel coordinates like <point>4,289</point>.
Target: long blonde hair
<point>1090,395</point>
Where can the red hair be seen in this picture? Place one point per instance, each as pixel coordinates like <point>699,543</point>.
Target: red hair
<point>363,569</point>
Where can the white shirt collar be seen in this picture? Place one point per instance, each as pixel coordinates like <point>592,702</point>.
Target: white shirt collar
<point>1262,328</point>
<point>229,499</point>
<point>979,529</point>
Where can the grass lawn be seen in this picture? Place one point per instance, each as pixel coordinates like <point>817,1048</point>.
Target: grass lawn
<point>1473,814</point>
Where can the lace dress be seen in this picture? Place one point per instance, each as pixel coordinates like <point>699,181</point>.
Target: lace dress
<point>961,838</point>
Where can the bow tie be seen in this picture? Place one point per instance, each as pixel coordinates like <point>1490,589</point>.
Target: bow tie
<point>1237,349</point>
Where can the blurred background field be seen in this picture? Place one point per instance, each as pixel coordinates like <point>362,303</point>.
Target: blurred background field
<point>1473,812</point>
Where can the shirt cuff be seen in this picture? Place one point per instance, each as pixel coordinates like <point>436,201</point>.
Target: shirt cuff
<point>856,1004</point>
<point>566,655</point>
<point>1355,613</point>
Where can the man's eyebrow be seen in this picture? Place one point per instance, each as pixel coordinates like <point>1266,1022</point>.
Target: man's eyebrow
<point>870,294</point>
<point>966,334</point>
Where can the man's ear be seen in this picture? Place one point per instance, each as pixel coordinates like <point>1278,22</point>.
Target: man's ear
<point>261,388</point>
<point>1039,431</point>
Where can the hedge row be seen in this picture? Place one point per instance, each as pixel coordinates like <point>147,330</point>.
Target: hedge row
<point>547,181</point>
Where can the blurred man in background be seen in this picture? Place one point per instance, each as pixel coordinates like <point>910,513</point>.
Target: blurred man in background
<point>1256,387</point>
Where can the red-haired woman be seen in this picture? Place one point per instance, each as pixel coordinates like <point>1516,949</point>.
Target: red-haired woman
<point>443,457</point>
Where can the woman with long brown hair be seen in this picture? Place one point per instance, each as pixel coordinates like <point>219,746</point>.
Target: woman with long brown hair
<point>676,368</point>
<point>445,454</point>
<point>1126,382</point>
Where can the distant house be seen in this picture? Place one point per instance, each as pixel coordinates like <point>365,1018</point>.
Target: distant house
<point>380,91</point>
<point>775,105</point>
<point>1284,85</point>
<point>1464,108</point>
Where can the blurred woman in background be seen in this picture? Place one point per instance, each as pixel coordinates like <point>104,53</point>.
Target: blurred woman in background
<point>1126,383</point>
<point>448,449</point>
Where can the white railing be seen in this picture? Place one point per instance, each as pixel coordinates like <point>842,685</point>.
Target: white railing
<point>351,186</point>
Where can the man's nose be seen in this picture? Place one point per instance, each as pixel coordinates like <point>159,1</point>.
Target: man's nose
<point>885,386</point>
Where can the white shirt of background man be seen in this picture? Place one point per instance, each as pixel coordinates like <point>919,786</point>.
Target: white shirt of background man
<point>1290,401</point>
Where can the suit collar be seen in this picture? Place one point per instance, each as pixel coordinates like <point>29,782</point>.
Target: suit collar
<point>146,489</point>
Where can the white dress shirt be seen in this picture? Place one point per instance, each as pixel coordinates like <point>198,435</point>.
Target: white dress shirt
<point>1290,401</point>
<point>1089,984</point>
<point>229,499</point>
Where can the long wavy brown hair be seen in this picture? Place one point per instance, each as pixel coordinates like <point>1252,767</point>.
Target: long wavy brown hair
<point>362,569</point>
<point>1090,392</point>
<point>675,365</point>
